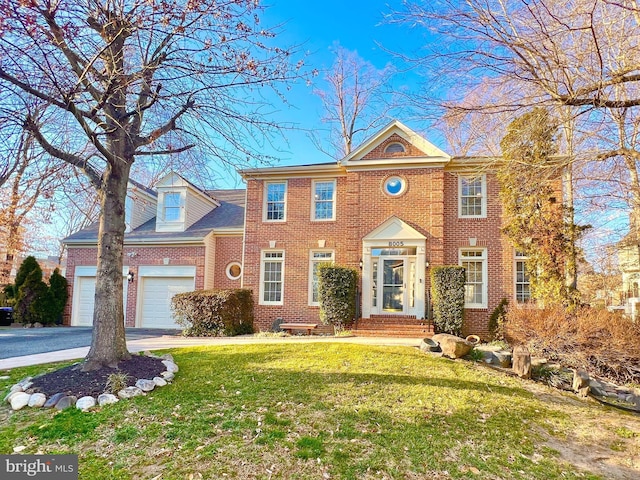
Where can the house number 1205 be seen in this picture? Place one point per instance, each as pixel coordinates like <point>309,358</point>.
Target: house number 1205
<point>396,244</point>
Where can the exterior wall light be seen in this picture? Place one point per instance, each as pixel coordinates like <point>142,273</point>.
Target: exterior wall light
<point>130,276</point>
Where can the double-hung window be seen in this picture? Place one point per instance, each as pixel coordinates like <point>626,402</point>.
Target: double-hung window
<point>324,200</point>
<point>275,199</point>
<point>316,258</point>
<point>474,262</point>
<point>522,279</point>
<point>472,197</point>
<point>172,207</point>
<point>272,275</point>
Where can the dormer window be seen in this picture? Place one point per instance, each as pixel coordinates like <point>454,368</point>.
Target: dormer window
<point>172,207</point>
<point>394,148</point>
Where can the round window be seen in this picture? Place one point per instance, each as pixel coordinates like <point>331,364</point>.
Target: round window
<point>394,186</point>
<point>234,270</point>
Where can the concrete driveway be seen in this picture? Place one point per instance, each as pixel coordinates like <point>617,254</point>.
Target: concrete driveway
<point>18,342</point>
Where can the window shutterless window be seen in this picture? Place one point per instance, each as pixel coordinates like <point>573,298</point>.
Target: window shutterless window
<point>472,197</point>
<point>316,258</point>
<point>475,289</point>
<point>272,275</point>
<point>324,200</point>
<point>172,207</point>
<point>275,198</point>
<point>522,279</point>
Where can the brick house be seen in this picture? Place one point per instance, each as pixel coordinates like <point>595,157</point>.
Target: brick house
<point>393,208</point>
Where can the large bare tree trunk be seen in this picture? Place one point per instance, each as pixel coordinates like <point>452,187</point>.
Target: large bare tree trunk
<point>109,345</point>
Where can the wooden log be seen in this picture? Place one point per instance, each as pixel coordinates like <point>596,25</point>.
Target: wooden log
<point>521,361</point>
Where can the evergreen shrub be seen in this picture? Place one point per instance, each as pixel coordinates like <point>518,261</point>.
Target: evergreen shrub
<point>337,291</point>
<point>214,313</point>
<point>496,320</point>
<point>447,293</point>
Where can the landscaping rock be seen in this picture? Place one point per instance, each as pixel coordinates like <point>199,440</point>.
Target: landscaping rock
<point>595,387</point>
<point>53,400</point>
<point>130,392</point>
<point>37,400</point>
<point>107,398</point>
<point>85,403</point>
<point>159,381</point>
<point>19,400</point>
<point>145,385</point>
<point>521,361</point>
<point>168,376</point>
<point>452,346</point>
<point>66,401</point>
<point>37,325</point>
<point>168,356</point>
<point>429,345</point>
<point>502,358</point>
<point>171,367</point>
<point>581,382</point>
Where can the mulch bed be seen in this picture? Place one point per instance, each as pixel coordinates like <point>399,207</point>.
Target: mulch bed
<point>72,380</point>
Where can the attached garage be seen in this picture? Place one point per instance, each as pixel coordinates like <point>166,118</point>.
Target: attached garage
<point>157,285</point>
<point>84,292</point>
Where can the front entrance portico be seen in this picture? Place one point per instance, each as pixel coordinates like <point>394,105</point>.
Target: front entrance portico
<point>393,270</point>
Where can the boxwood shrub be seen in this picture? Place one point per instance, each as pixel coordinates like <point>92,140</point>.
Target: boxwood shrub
<point>337,292</point>
<point>214,313</point>
<point>447,293</point>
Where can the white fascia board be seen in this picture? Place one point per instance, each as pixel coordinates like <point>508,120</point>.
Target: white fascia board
<point>315,171</point>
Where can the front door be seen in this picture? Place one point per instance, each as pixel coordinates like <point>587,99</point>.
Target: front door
<point>392,280</point>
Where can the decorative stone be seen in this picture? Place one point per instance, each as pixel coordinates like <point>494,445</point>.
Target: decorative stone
<point>107,398</point>
<point>168,356</point>
<point>66,401</point>
<point>7,397</point>
<point>129,392</point>
<point>37,325</point>
<point>581,382</point>
<point>53,400</point>
<point>37,400</point>
<point>168,376</point>
<point>171,367</point>
<point>522,361</point>
<point>159,381</point>
<point>145,385</point>
<point>502,358</point>
<point>429,345</point>
<point>85,403</point>
<point>19,400</point>
<point>4,377</point>
<point>452,346</point>
<point>595,386</point>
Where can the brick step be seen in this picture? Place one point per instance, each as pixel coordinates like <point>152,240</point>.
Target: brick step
<point>391,333</point>
<point>391,326</point>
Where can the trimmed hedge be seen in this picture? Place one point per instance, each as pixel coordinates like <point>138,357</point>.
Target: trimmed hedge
<point>447,293</point>
<point>214,313</point>
<point>337,291</point>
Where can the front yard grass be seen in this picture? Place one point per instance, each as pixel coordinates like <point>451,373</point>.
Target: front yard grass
<point>314,411</point>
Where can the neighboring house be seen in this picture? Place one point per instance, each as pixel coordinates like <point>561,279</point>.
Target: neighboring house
<point>628,250</point>
<point>394,208</point>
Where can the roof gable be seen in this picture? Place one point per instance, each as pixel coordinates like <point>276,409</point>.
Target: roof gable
<point>417,150</point>
<point>393,228</point>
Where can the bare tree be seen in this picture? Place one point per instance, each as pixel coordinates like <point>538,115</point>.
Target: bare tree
<point>355,100</point>
<point>129,79</point>
<point>582,56</point>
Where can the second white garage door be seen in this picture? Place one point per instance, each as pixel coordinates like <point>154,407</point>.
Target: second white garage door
<point>155,311</point>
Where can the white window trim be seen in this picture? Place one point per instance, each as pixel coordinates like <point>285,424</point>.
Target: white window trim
<point>485,279</point>
<point>227,270</point>
<point>182,206</point>
<point>483,186</point>
<point>403,149</point>
<point>265,201</point>
<point>311,263</point>
<point>313,201</point>
<point>263,260</point>
<point>519,258</point>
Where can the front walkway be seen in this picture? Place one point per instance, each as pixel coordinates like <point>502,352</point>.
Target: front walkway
<point>164,342</point>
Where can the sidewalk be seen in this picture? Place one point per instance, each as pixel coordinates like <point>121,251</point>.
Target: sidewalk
<point>164,342</point>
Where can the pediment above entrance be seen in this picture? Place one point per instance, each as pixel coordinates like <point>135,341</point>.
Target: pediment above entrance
<point>393,229</point>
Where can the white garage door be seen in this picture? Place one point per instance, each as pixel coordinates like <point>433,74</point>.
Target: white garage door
<point>84,300</point>
<point>156,300</point>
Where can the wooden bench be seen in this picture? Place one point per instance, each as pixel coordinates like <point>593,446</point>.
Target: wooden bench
<point>289,327</point>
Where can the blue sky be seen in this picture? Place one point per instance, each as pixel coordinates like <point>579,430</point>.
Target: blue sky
<point>318,27</point>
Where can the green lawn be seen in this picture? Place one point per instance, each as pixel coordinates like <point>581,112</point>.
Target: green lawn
<point>313,411</point>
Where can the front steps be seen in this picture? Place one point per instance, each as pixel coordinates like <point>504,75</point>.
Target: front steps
<point>393,326</point>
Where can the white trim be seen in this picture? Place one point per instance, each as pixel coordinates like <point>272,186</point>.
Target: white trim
<point>263,260</point>
<point>167,271</point>
<point>485,280</point>
<point>403,188</point>
<point>520,258</point>
<point>84,271</point>
<point>227,270</point>
<point>265,201</point>
<point>333,200</point>
<point>483,192</point>
<point>313,261</point>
